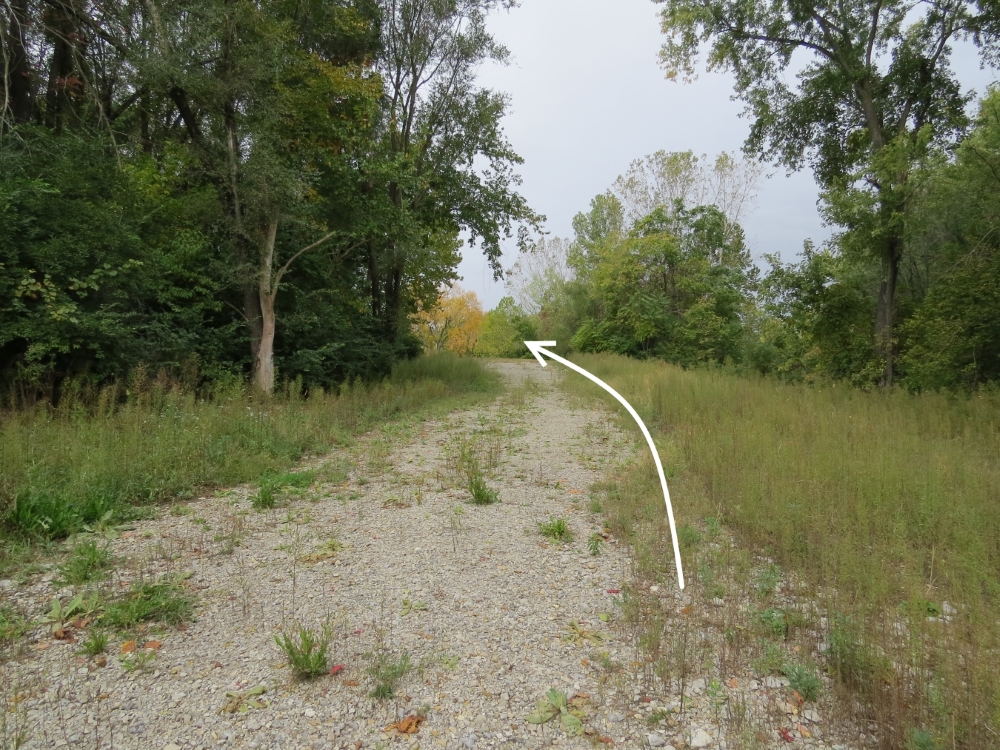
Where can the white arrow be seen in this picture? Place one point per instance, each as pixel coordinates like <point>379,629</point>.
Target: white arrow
<point>537,350</point>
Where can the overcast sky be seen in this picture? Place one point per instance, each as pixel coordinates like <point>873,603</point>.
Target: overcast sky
<point>588,97</point>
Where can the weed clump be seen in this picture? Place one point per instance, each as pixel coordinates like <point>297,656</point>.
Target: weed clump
<point>804,680</point>
<point>556,529</point>
<point>162,601</point>
<point>481,492</point>
<point>87,562</point>
<point>387,672</point>
<point>306,651</point>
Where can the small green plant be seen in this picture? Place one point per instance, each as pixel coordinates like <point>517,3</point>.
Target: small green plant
<point>481,492</point>
<point>767,580</point>
<point>578,635</point>
<point>160,601</point>
<point>138,660</point>
<point>771,661</point>
<point>180,509</point>
<point>804,680</point>
<point>594,506</point>
<point>237,702</point>
<point>81,605</point>
<point>773,621</point>
<point>387,672</point>
<point>87,562</point>
<point>918,739</point>
<point>555,529</point>
<point>264,498</point>
<point>12,624</point>
<point>449,662</point>
<point>688,537</point>
<point>306,651</point>
<point>655,717</point>
<point>594,544</point>
<point>712,526</point>
<point>96,643</point>
<point>411,606</point>
<point>555,704</point>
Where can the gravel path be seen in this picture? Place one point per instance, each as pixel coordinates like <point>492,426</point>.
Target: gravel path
<point>471,598</point>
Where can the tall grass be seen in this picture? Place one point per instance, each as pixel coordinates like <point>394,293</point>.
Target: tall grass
<point>62,468</point>
<point>887,504</point>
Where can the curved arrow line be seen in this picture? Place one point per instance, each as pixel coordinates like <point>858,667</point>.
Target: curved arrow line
<point>536,348</point>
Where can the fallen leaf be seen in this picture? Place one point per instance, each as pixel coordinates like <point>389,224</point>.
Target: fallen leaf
<point>153,645</point>
<point>803,731</point>
<point>606,740</point>
<point>41,646</point>
<point>63,634</point>
<point>101,662</point>
<point>336,668</point>
<point>786,735</point>
<point>407,725</point>
<point>128,647</point>
<point>734,683</point>
<point>359,631</point>
<point>80,623</point>
<point>350,683</point>
<point>798,698</point>
<point>687,610</point>
<point>614,591</point>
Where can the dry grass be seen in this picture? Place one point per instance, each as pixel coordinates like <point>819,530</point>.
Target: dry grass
<point>880,509</point>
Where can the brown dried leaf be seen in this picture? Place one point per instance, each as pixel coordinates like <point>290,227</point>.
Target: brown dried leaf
<point>128,647</point>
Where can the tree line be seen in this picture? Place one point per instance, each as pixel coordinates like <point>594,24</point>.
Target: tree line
<point>233,188</point>
<point>909,169</point>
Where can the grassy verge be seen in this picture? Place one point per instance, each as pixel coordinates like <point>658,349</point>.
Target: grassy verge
<point>82,464</point>
<point>883,506</point>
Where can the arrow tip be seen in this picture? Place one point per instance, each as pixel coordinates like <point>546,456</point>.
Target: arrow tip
<point>535,347</point>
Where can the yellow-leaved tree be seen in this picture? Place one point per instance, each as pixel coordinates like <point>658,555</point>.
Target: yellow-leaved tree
<point>452,324</point>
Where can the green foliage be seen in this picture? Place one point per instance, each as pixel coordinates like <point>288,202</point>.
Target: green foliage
<point>387,672</point>
<point>12,624</point>
<point>803,680</point>
<point>306,651</point>
<point>555,529</point>
<point>555,704</point>
<point>160,601</point>
<point>594,544</point>
<point>96,643</point>
<point>70,467</point>
<point>480,492</point>
<point>504,331</point>
<point>88,562</point>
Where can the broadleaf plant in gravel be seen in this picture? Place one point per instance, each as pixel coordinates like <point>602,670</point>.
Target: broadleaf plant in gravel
<point>556,704</point>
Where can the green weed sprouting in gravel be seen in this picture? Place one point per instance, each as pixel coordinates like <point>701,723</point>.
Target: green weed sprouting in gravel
<point>481,492</point>
<point>594,506</point>
<point>774,621</point>
<point>594,544</point>
<point>804,680</point>
<point>306,651</point>
<point>768,580</point>
<point>96,643</point>
<point>555,529</point>
<point>387,672</point>
<point>160,601</point>
<point>12,624</point>
<point>87,562</point>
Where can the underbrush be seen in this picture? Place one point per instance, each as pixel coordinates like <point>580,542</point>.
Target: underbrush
<point>881,507</point>
<point>103,457</point>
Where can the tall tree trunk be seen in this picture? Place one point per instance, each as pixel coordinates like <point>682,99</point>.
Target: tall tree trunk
<point>263,367</point>
<point>18,82</point>
<point>884,317</point>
